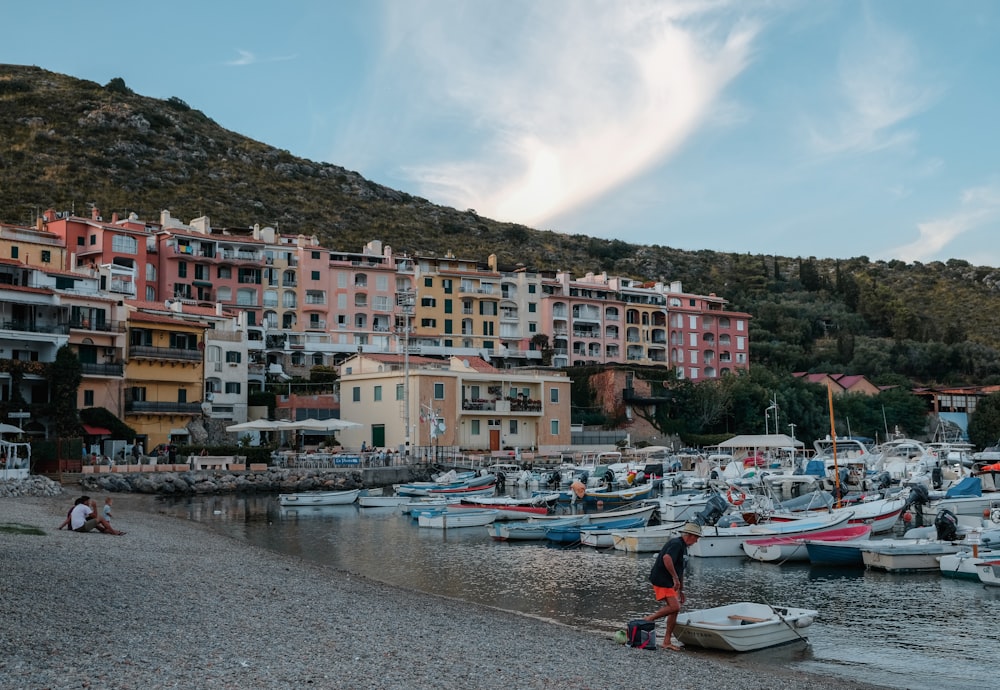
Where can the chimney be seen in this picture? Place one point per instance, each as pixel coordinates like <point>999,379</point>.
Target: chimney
<point>40,224</point>
<point>95,213</point>
<point>114,217</point>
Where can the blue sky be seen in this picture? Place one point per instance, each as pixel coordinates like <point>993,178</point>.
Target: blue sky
<point>827,128</point>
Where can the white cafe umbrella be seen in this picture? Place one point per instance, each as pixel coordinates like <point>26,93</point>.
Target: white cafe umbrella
<point>323,425</point>
<point>10,429</point>
<point>260,425</point>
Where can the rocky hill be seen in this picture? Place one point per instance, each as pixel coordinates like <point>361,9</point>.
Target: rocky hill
<point>71,143</point>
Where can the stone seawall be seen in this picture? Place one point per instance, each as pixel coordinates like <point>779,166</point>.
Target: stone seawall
<point>224,482</point>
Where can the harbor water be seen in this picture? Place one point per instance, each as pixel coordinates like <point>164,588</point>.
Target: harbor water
<point>916,631</point>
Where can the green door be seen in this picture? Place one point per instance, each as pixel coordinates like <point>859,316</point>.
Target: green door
<point>378,435</point>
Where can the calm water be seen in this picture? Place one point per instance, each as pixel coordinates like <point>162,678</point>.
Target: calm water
<point>906,631</point>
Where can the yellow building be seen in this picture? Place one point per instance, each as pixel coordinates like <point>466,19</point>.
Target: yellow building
<point>164,372</point>
<point>459,402</point>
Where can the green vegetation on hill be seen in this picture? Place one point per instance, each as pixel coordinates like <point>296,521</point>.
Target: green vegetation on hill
<point>69,143</point>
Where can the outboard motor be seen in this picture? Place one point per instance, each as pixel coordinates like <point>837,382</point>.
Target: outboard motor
<point>937,479</point>
<point>946,525</point>
<point>714,509</point>
<point>881,481</point>
<point>918,497</point>
<point>501,482</point>
<point>553,481</point>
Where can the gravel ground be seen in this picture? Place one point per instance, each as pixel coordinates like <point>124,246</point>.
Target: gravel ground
<point>174,605</point>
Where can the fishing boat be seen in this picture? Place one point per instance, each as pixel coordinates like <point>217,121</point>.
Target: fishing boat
<point>743,626</point>
<point>451,483</point>
<point>906,555</point>
<point>572,534</point>
<point>618,497</point>
<point>880,513</point>
<point>645,539</point>
<point>989,573</point>
<point>681,506</point>
<point>783,549</point>
<point>839,553</point>
<point>449,519</point>
<point>718,541</point>
<point>530,530</point>
<point>964,564</point>
<point>319,498</point>
<point>383,501</point>
<point>514,508</point>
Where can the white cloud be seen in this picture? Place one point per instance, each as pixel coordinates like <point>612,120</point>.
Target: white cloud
<point>573,99</point>
<point>979,206</point>
<point>248,58</point>
<point>880,89</point>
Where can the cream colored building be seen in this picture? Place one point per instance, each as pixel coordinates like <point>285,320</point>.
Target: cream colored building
<point>459,402</point>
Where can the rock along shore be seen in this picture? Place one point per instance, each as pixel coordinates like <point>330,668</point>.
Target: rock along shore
<point>223,482</point>
<point>173,604</point>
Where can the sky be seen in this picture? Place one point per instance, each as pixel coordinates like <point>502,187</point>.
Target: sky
<point>826,128</point>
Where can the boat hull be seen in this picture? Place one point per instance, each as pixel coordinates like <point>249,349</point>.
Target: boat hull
<point>718,542</point>
<point>793,549</point>
<point>450,519</point>
<point>743,626</point>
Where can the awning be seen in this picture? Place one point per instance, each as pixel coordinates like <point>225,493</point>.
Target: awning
<point>96,430</point>
<point>179,432</point>
<point>201,283</point>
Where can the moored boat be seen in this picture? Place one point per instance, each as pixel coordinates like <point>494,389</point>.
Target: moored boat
<point>572,534</point>
<point>449,519</point>
<point>743,626</point>
<point>839,553</point>
<point>989,573</point>
<point>906,555</point>
<point>964,565</point>
<point>718,541</point>
<point>383,501</point>
<point>530,530</point>
<point>319,498</point>
<point>782,549</point>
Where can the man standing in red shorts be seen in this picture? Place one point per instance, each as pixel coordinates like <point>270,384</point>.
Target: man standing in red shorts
<point>667,577</point>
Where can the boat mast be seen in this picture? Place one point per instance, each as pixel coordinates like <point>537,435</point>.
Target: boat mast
<point>833,439</point>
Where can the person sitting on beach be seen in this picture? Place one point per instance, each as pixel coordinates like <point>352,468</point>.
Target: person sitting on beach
<point>69,513</point>
<point>107,509</point>
<point>83,518</point>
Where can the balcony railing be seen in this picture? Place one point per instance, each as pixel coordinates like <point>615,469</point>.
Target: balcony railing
<point>163,407</point>
<point>101,369</point>
<point>171,353</point>
<point>103,326</point>
<point>34,327</point>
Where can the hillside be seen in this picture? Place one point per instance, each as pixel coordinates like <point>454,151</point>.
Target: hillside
<point>70,143</point>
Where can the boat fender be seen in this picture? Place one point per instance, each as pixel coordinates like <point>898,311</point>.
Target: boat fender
<point>804,622</point>
<point>736,497</point>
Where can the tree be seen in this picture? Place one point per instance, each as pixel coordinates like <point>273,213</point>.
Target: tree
<point>984,424</point>
<point>64,376</point>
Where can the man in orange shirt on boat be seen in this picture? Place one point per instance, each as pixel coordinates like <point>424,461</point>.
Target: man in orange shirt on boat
<point>667,577</point>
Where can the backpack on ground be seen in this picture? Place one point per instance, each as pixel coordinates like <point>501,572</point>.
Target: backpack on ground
<point>641,634</point>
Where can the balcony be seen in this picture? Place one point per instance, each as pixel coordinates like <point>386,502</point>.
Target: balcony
<point>101,369</point>
<point>122,287</point>
<point>100,326</point>
<point>34,327</point>
<point>168,353</point>
<point>142,406</point>
<point>253,257</point>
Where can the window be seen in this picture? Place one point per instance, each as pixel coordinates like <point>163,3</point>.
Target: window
<point>532,307</point>
<point>225,272</point>
<point>93,240</point>
<point>233,387</point>
<point>356,394</point>
<point>314,255</point>
<point>400,391</point>
<point>182,269</point>
<point>531,289</point>
<point>447,285</point>
<point>448,328</point>
<point>474,428</point>
<point>439,391</point>
<point>182,395</point>
<point>315,275</point>
<point>428,302</point>
<point>532,327</point>
<point>123,244</point>
<point>554,395</point>
<point>233,357</point>
<point>447,306</point>
<point>428,282</point>
<point>88,398</point>
<point>378,393</point>
<point>46,256</point>
<point>554,427</point>
<point>428,323</point>
<point>513,426</point>
<point>14,252</point>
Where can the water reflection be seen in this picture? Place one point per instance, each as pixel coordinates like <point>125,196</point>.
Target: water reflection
<point>913,631</point>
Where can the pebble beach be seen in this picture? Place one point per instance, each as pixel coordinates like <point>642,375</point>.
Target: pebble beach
<point>174,605</point>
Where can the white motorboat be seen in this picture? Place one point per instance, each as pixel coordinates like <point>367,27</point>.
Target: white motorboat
<point>383,501</point>
<point>319,498</point>
<point>743,626</point>
<point>681,506</point>
<point>646,539</point>
<point>964,564</point>
<point>531,530</point>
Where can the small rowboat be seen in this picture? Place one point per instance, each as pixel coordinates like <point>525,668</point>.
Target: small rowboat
<point>319,498</point>
<point>743,626</point>
<point>448,519</point>
<point>782,549</point>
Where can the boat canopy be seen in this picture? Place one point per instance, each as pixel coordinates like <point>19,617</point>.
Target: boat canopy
<point>970,486</point>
